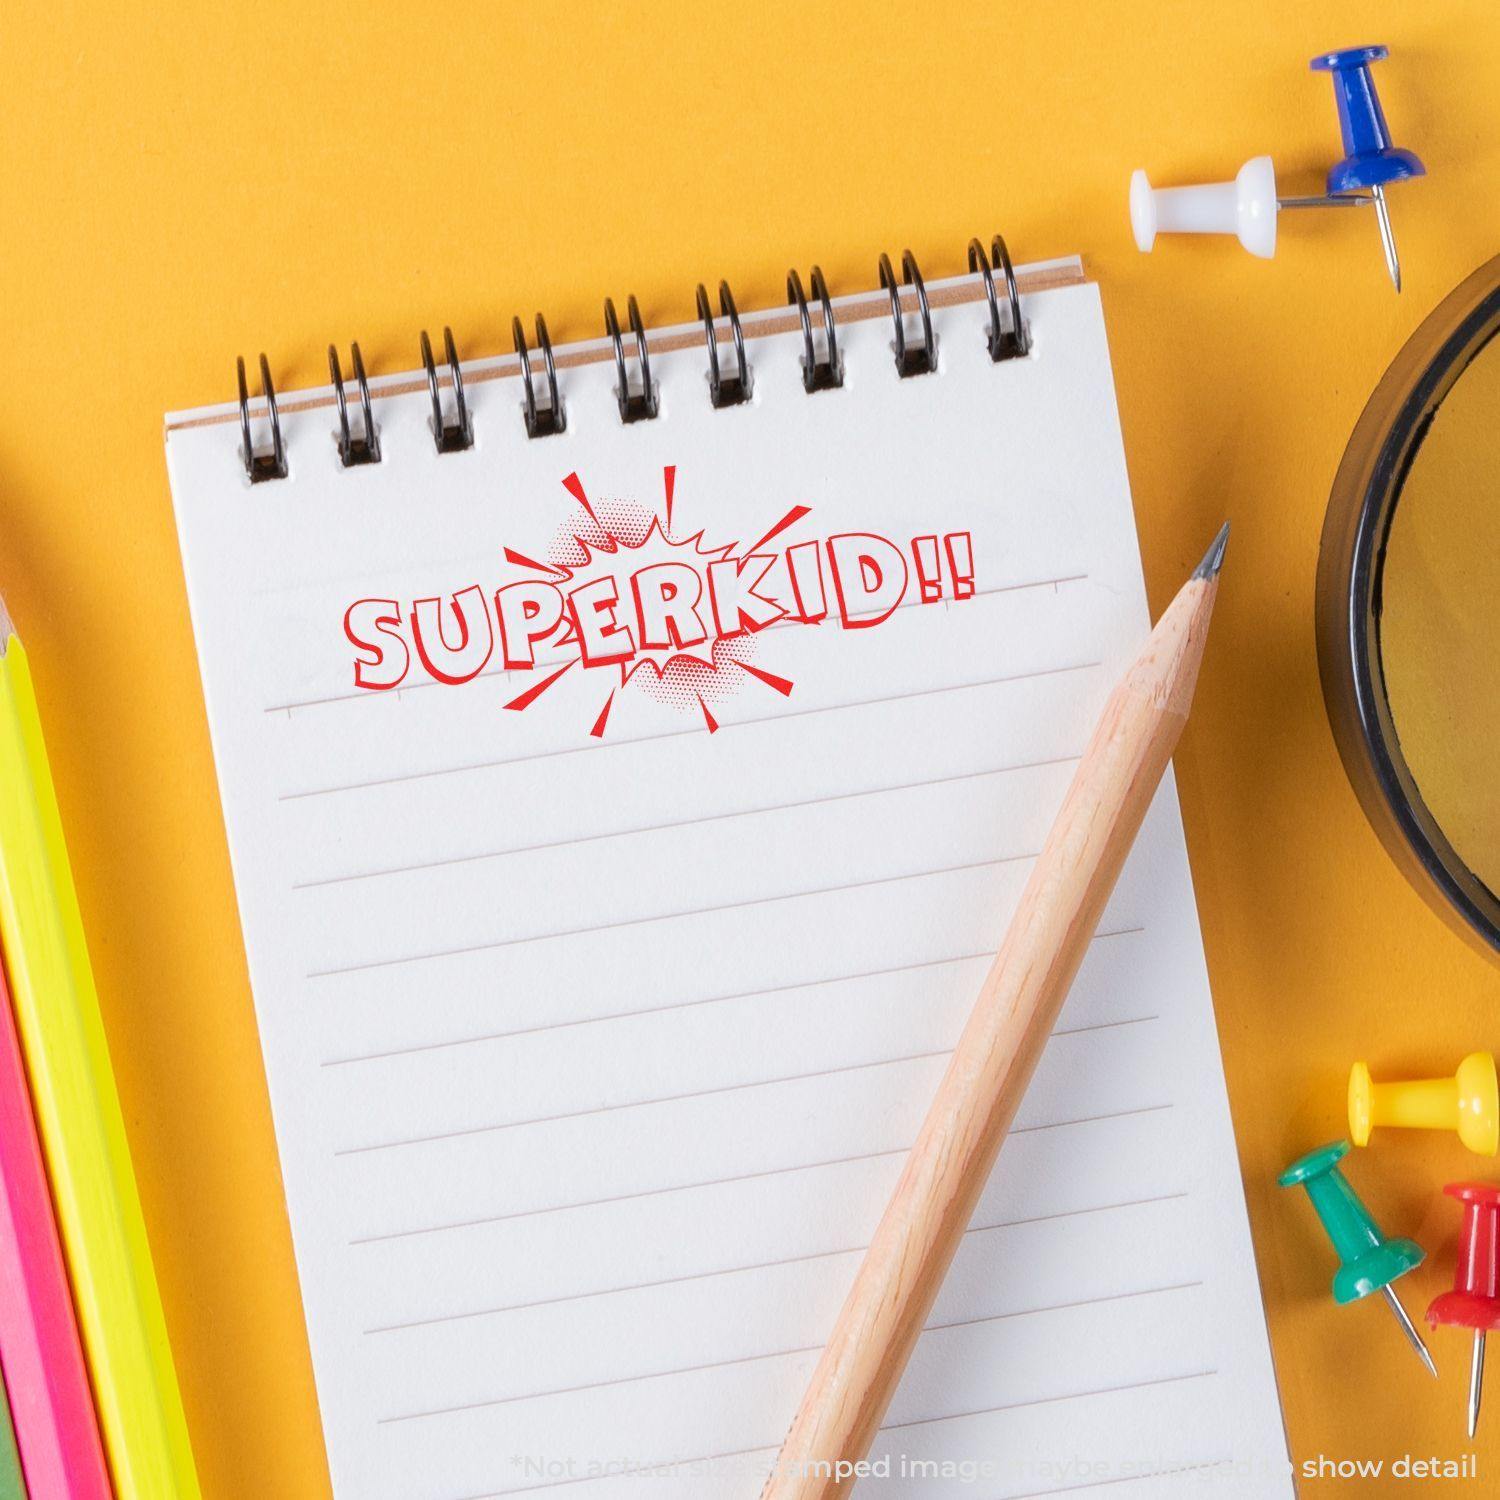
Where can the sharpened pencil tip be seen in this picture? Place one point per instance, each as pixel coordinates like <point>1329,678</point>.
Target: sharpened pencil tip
<point>1213,559</point>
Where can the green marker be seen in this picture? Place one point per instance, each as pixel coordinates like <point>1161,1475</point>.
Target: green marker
<point>1369,1261</point>
<point>12,1481</point>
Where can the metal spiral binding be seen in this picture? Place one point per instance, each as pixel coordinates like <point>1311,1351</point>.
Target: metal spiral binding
<point>729,384</point>
<point>1005,343</point>
<point>259,466</point>
<point>540,421</point>
<point>458,435</point>
<point>826,374</point>
<point>635,406</point>
<point>919,359</point>
<point>728,390</point>
<point>364,449</point>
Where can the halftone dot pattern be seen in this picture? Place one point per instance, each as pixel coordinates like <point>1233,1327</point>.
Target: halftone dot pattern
<point>606,526</point>
<point>620,522</point>
<point>683,681</point>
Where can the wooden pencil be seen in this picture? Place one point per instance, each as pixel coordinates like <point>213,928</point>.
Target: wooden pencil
<point>78,1115</point>
<point>1017,1008</point>
<point>46,1380</point>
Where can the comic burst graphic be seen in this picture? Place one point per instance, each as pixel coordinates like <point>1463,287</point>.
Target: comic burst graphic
<point>639,607</point>
<point>689,647</point>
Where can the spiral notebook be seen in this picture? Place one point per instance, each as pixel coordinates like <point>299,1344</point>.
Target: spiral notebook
<point>630,761</point>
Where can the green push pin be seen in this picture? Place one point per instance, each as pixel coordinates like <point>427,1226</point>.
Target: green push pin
<point>1369,1261</point>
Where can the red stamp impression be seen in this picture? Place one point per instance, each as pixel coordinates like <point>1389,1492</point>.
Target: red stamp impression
<point>624,599</point>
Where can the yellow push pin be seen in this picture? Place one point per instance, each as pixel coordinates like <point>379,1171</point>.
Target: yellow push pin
<point>1469,1103</point>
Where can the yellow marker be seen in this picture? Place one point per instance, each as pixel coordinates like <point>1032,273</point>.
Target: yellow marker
<point>1469,1103</point>
<point>78,1115</point>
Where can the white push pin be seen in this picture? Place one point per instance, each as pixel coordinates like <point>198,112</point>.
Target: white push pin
<point>1245,208</point>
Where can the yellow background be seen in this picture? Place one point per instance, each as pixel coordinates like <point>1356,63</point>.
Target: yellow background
<point>184,183</point>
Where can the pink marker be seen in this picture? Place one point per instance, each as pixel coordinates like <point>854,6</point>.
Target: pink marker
<point>45,1376</point>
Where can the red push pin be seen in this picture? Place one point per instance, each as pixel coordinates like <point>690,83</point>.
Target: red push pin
<point>1474,1301</point>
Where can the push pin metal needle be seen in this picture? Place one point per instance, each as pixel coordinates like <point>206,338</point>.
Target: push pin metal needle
<point>1409,1329</point>
<point>1369,1262</point>
<point>1474,1302</point>
<point>1370,160</point>
<point>1248,206</point>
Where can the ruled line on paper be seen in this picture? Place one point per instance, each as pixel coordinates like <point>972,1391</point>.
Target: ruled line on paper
<point>693,822</point>
<point>656,1010</point>
<point>685,1187</point>
<point>1104,1025</point>
<point>771,1449</point>
<point>764,1265</point>
<point>596,746</point>
<point>665,916</point>
<point>927,1055</point>
<point>706,1000</point>
<point>333,698</point>
<point>747,1359</point>
<point>609,1109</point>
<point>1192,1469</point>
<point>680,1187</point>
<point>1109,1390</point>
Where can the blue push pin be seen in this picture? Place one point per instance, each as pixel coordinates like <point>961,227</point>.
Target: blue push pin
<point>1370,160</point>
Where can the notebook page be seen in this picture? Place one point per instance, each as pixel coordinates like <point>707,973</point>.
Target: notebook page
<point>594,1056</point>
